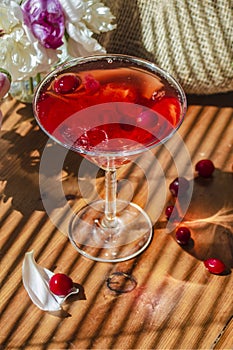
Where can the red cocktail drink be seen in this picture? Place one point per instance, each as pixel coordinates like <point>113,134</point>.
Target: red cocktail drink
<point>110,109</point>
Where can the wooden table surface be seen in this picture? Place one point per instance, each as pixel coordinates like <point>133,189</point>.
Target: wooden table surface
<point>176,302</point>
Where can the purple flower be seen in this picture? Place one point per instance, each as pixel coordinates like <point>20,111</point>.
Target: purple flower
<point>45,19</point>
<point>5,82</point>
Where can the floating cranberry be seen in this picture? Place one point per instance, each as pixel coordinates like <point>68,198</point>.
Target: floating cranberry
<point>183,235</point>
<point>147,119</point>
<point>60,284</point>
<point>82,142</point>
<point>180,184</point>
<point>66,84</point>
<point>215,266</point>
<point>205,167</point>
<point>96,136</point>
<point>91,84</point>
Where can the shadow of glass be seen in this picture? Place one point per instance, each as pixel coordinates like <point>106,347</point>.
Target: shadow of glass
<point>210,218</point>
<point>20,171</point>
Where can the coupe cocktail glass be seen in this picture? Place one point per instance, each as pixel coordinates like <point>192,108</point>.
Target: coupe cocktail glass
<point>110,109</point>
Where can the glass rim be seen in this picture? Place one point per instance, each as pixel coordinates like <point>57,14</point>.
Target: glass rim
<point>141,62</point>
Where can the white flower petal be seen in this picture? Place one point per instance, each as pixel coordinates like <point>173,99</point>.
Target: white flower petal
<point>98,17</point>
<point>7,19</point>
<point>82,18</point>
<point>36,282</point>
<point>73,10</point>
<point>80,42</point>
<point>76,49</point>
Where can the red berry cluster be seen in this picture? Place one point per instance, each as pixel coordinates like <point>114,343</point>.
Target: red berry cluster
<point>180,185</point>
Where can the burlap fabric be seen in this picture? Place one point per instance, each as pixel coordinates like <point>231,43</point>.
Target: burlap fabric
<point>191,39</point>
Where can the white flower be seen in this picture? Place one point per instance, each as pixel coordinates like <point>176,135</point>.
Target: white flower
<point>15,49</point>
<point>82,18</point>
<point>98,17</point>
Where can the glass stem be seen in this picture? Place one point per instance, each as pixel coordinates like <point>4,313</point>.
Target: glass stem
<point>110,219</point>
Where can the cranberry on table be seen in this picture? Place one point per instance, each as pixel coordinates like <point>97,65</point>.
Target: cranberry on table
<point>66,84</point>
<point>179,184</point>
<point>171,211</point>
<point>205,167</point>
<point>183,235</point>
<point>215,266</point>
<point>60,284</point>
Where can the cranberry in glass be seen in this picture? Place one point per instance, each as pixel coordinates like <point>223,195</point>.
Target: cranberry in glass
<point>215,266</point>
<point>183,235</point>
<point>205,167</point>
<point>91,84</point>
<point>179,184</point>
<point>60,284</point>
<point>147,119</point>
<point>66,84</point>
<point>96,136</point>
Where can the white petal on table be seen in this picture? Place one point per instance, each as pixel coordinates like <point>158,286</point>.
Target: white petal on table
<point>36,282</point>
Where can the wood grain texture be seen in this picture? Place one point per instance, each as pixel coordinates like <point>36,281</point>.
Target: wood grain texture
<point>176,304</point>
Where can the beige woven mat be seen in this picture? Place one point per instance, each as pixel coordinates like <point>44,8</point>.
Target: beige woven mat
<point>190,39</point>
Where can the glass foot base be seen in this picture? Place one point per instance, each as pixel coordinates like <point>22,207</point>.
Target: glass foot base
<point>130,235</point>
